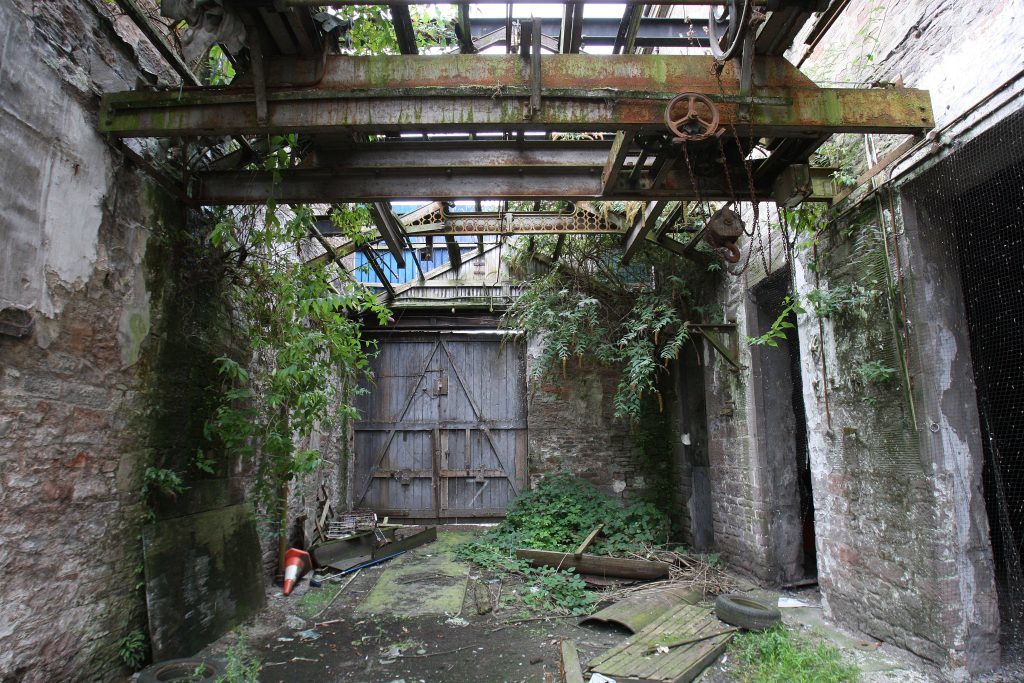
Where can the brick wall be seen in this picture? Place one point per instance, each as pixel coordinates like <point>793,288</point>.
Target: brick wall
<point>572,428</point>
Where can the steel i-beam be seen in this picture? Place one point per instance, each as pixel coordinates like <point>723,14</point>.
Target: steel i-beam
<point>466,93</point>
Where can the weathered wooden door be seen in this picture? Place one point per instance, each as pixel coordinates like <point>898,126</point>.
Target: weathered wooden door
<point>443,428</point>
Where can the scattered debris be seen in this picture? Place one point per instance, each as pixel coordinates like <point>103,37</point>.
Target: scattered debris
<point>569,665</point>
<point>785,602</point>
<point>691,638</point>
<point>596,564</point>
<point>747,613</point>
<point>294,623</point>
<point>340,591</point>
<point>482,597</point>
<point>456,621</point>
<point>636,611</point>
<point>309,635</point>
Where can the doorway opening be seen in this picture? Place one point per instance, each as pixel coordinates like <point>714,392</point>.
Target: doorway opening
<point>986,222</point>
<point>782,436</point>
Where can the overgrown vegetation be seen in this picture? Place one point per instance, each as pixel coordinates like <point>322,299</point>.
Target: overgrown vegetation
<point>304,350</point>
<point>241,665</point>
<point>776,656</point>
<point>558,515</point>
<point>590,310</point>
<point>134,649</point>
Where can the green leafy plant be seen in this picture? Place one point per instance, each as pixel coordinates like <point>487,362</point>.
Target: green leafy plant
<point>134,649</point>
<point>302,326</point>
<point>242,666</point>
<point>162,480</point>
<point>558,515</point>
<point>775,656</point>
<point>875,371</point>
<point>587,308</point>
<point>777,331</point>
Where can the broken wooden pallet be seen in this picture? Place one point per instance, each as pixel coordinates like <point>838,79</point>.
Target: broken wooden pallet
<point>698,639</point>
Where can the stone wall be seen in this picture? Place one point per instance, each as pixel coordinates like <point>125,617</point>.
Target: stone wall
<point>74,238</point>
<point>80,385</point>
<point>902,532</point>
<point>572,428</point>
<point>900,523</point>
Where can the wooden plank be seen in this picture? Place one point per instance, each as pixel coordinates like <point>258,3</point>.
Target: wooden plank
<point>589,539</point>
<point>442,498</point>
<point>391,434</point>
<point>596,564</point>
<point>698,639</point>
<point>428,513</point>
<point>429,425</point>
<point>570,667</point>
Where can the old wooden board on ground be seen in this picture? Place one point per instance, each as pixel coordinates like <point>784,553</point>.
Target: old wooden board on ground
<point>596,564</point>
<point>639,610</point>
<point>632,660</point>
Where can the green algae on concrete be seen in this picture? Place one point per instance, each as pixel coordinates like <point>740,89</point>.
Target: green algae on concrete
<point>426,580</point>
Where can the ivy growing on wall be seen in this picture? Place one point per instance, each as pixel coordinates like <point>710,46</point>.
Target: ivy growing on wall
<point>304,351</point>
<point>588,309</point>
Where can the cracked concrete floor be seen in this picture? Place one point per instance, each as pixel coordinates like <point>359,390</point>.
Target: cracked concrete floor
<point>404,620</point>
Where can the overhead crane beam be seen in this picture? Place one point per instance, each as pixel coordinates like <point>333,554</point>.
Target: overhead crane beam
<point>498,182</point>
<point>466,93</point>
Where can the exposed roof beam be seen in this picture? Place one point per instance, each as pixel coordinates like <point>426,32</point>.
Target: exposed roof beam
<point>642,224</point>
<point>371,258</point>
<point>404,31</point>
<point>486,92</point>
<point>571,29</point>
<point>360,185</point>
<point>464,30</point>
<point>388,229</point>
<point>602,31</point>
<point>581,221</point>
<point>616,159</point>
<point>625,37</point>
<point>454,250</point>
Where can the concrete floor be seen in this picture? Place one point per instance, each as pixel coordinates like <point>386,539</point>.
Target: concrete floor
<point>405,621</point>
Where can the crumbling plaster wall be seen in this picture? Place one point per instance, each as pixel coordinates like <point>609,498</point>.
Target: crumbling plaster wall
<point>74,238</point>
<point>902,531</point>
<point>78,232</point>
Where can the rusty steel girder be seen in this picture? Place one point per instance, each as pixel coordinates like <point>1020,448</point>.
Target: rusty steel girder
<point>577,222</point>
<point>492,92</point>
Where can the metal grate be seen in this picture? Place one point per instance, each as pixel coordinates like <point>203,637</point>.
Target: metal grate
<point>978,192</point>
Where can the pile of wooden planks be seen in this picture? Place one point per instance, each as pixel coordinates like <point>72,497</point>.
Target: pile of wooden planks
<point>675,648</point>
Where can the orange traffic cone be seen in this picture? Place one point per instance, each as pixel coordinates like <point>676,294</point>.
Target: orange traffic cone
<point>296,564</point>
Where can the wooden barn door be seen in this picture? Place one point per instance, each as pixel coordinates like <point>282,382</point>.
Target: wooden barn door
<point>443,428</point>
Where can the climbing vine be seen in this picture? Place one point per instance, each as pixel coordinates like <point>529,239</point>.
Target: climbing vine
<point>588,309</point>
<point>304,351</point>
